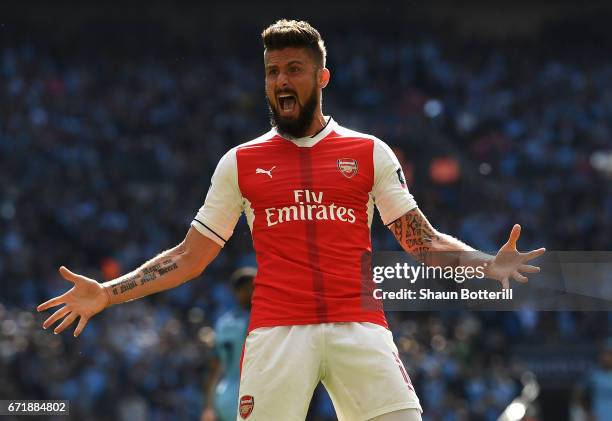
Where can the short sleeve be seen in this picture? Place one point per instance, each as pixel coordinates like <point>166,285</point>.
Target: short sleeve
<point>219,214</point>
<point>390,192</point>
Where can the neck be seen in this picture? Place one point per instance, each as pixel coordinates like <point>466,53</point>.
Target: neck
<point>318,122</point>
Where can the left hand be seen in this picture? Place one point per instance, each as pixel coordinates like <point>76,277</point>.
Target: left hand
<point>510,263</point>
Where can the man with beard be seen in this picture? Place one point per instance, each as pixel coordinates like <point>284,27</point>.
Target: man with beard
<point>308,188</point>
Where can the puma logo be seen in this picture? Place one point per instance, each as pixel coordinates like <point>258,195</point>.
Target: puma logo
<point>262,171</point>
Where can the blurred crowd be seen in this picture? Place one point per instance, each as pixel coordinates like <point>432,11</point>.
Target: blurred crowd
<point>104,161</point>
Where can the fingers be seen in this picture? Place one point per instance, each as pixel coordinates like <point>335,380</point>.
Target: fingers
<point>67,322</point>
<point>80,326</point>
<point>70,276</point>
<point>529,269</point>
<point>52,302</point>
<point>533,254</point>
<point>514,235</point>
<point>519,278</point>
<point>56,316</point>
<point>505,283</point>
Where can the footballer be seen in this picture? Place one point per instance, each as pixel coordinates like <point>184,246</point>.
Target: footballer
<point>308,188</point>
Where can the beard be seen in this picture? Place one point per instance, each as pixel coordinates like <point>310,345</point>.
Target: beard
<point>295,127</point>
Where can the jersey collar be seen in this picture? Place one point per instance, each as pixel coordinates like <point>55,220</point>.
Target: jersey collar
<point>309,141</point>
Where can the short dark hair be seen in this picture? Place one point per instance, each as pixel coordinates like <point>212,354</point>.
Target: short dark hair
<point>241,276</point>
<point>293,33</point>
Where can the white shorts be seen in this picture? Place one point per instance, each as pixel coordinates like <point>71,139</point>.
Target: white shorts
<point>357,363</point>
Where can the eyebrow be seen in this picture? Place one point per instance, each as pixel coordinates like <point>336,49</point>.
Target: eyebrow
<point>288,64</point>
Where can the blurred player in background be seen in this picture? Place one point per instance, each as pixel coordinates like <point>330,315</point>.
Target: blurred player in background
<point>223,380</point>
<point>593,397</point>
<point>308,188</point>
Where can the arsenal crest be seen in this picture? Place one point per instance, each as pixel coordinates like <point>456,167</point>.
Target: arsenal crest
<point>347,166</point>
<point>247,402</point>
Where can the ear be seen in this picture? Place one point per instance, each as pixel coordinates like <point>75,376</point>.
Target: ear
<point>324,76</point>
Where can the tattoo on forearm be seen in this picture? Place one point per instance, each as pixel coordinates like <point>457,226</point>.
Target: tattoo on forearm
<point>125,285</point>
<point>146,275</point>
<point>397,230</point>
<point>415,234</point>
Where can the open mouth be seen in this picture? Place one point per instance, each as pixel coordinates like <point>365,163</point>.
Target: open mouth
<point>286,102</point>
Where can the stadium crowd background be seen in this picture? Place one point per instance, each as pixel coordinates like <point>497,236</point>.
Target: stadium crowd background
<point>106,155</point>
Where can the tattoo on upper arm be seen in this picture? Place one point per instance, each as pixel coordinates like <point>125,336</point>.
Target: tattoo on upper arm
<point>415,234</point>
<point>146,275</point>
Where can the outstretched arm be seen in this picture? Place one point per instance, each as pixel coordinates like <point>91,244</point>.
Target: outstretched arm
<point>167,270</point>
<point>425,244</point>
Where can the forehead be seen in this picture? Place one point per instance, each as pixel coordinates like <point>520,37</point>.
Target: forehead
<point>287,55</point>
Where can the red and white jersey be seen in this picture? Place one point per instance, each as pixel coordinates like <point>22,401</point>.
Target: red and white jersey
<point>309,204</point>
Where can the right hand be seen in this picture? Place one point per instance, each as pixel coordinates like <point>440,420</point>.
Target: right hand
<point>85,299</point>
<point>208,414</point>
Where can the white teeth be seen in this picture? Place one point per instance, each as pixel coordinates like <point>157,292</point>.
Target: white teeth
<point>286,101</point>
